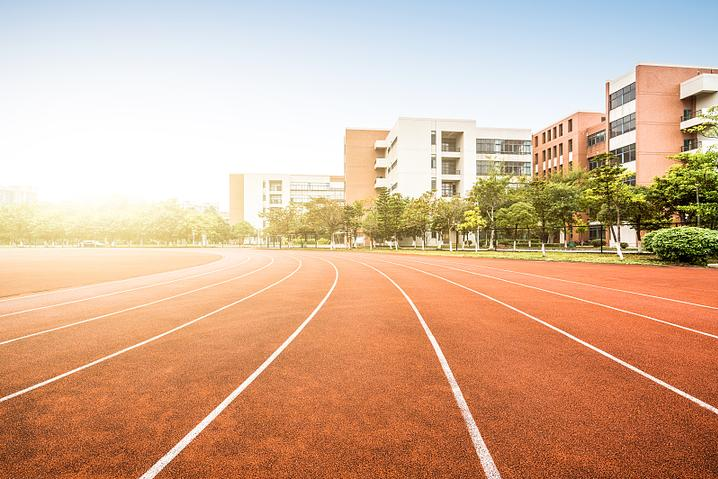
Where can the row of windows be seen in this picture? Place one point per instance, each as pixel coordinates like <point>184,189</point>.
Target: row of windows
<point>623,125</point>
<point>556,130</point>
<point>624,154</point>
<point>596,138</point>
<point>512,168</point>
<point>499,146</point>
<point>554,152</point>
<point>624,95</point>
<point>310,186</point>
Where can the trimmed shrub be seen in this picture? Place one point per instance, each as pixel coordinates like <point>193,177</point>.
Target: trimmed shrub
<point>647,240</point>
<point>624,245</point>
<point>685,244</point>
<point>597,242</point>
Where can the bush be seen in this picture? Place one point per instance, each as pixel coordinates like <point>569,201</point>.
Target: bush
<point>624,245</point>
<point>598,242</point>
<point>647,239</point>
<point>686,244</point>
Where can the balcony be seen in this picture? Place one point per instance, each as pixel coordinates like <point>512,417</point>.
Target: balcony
<point>689,119</point>
<point>699,84</point>
<point>451,173</point>
<point>691,145</point>
<point>380,145</point>
<point>381,183</point>
<point>380,163</point>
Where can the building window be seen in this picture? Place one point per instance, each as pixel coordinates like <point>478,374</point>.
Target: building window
<point>570,126</point>
<point>626,153</point>
<point>448,167</point>
<point>275,185</point>
<point>433,184</point>
<point>433,137</point>
<point>536,140</point>
<point>448,189</point>
<point>544,137</point>
<point>500,146</point>
<point>433,161</point>
<point>549,154</point>
<point>622,96</point>
<point>554,133</point>
<point>596,138</point>
<point>549,135</point>
<point>554,152</point>
<point>570,146</point>
<point>536,158</point>
<point>623,125</point>
<point>560,129</point>
<point>560,149</point>
<point>543,154</point>
<point>275,199</point>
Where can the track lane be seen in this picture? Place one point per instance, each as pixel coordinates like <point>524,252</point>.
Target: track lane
<point>705,320</point>
<point>112,420</point>
<point>7,303</point>
<point>77,350</point>
<point>360,393</point>
<point>684,360</point>
<point>657,283</point>
<point>552,407</point>
<point>25,329</point>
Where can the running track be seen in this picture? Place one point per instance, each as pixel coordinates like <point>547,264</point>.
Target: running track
<point>322,364</point>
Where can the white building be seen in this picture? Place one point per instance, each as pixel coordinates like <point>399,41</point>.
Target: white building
<point>17,195</point>
<point>250,194</point>
<point>447,156</point>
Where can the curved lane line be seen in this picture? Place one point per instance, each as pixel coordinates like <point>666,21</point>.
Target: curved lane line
<point>487,462</point>
<point>146,341</point>
<point>600,351</point>
<point>132,308</point>
<point>698,305</point>
<point>21,296</point>
<point>651,318</point>
<point>186,440</point>
<point>113,293</point>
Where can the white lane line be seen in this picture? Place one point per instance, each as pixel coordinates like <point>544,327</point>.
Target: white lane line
<point>106,283</point>
<point>132,308</point>
<point>623,363</point>
<point>487,462</point>
<point>698,305</point>
<point>113,293</point>
<point>185,441</point>
<point>651,318</point>
<point>146,341</point>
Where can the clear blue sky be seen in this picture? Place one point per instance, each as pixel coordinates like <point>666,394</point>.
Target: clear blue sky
<point>164,99</point>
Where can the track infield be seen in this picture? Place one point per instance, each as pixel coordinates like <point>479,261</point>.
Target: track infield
<point>261,363</point>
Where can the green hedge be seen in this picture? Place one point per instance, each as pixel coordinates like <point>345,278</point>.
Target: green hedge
<point>686,244</point>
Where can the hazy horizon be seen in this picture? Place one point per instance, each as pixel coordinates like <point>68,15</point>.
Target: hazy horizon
<point>164,101</point>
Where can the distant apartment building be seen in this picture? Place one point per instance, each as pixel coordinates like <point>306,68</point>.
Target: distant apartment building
<point>564,145</point>
<point>17,195</point>
<point>647,113</point>
<point>251,194</point>
<point>443,156</point>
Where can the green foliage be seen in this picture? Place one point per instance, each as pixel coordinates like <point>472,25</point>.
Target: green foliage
<point>388,210</point>
<point>686,244</point>
<point>417,215</point>
<point>114,221</point>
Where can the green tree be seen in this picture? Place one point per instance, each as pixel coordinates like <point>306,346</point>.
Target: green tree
<point>489,194</point>
<point>281,222</point>
<point>325,216</point>
<point>449,214</point>
<point>607,193</point>
<point>389,209</point>
<point>517,216</point>
<point>352,214</point>
<point>417,216</point>
<point>242,230</point>
<point>473,221</point>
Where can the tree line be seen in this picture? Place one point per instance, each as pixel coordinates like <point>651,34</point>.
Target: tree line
<point>117,222</point>
<point>687,193</point>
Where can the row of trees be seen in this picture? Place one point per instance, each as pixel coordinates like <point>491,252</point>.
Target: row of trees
<point>688,192</point>
<point>117,222</point>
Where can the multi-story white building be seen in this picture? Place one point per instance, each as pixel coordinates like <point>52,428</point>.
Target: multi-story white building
<point>251,194</point>
<point>427,154</point>
<point>16,195</point>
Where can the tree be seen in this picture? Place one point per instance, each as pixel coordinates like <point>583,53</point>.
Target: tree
<point>608,192</point>
<point>473,221</point>
<point>640,211</point>
<point>539,194</point>
<point>242,230</point>
<point>281,222</point>
<point>352,214</point>
<point>489,195</point>
<point>325,216</point>
<point>690,189</point>
<point>449,214</point>
<point>519,215</point>
<point>370,225</point>
<point>565,196</point>
<point>389,209</point>
<point>416,217</point>
<point>709,128</point>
